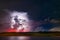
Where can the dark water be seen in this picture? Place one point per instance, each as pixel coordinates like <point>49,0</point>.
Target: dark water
<point>28,38</point>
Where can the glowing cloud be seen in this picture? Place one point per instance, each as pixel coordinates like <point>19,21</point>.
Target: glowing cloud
<point>24,20</point>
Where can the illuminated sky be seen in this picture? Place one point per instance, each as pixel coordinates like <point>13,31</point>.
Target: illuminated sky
<point>36,9</point>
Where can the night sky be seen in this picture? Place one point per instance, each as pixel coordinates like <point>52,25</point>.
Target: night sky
<point>37,9</point>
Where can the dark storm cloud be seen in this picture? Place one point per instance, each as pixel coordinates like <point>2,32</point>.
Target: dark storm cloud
<point>37,9</point>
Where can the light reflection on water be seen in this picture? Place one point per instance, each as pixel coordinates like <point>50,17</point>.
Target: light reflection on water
<point>28,38</point>
<point>19,38</point>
